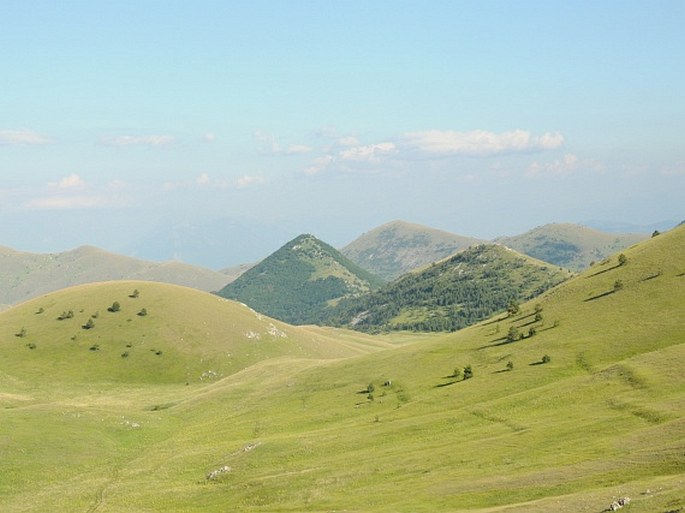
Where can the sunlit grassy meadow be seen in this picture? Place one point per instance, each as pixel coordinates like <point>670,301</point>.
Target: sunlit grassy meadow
<point>315,419</point>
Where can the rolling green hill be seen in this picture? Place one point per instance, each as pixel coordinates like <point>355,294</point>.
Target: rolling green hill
<point>398,247</point>
<point>157,333</point>
<point>452,294</point>
<point>27,275</point>
<point>570,245</point>
<point>300,281</point>
<point>397,430</point>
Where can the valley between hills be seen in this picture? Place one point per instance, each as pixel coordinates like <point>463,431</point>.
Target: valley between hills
<point>125,394</point>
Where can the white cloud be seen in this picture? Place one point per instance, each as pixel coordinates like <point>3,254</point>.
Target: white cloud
<point>67,202</point>
<point>368,153</point>
<point>348,140</point>
<point>319,165</point>
<point>72,182</point>
<point>203,179</point>
<point>674,169</point>
<point>298,149</point>
<point>139,140</point>
<point>479,143</point>
<point>268,145</point>
<point>116,185</point>
<point>246,181</point>
<point>19,137</point>
<point>567,164</point>
<point>209,137</point>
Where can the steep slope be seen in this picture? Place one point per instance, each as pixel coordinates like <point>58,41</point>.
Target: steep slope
<point>569,245</point>
<point>156,333</point>
<point>451,294</point>
<point>396,430</point>
<point>26,275</point>
<point>398,247</point>
<point>300,281</point>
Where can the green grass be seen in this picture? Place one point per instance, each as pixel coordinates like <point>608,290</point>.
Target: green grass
<point>604,418</point>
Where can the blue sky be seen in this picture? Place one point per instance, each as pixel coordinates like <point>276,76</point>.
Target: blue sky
<point>121,119</point>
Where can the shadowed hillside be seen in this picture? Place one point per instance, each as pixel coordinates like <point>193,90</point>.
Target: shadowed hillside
<point>451,294</point>
<point>300,281</point>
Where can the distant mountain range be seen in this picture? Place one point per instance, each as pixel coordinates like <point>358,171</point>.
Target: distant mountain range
<point>27,275</point>
<point>388,251</point>
<point>398,247</point>
<point>300,281</point>
<point>571,246</point>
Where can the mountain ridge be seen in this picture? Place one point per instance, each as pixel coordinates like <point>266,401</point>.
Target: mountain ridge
<point>300,280</point>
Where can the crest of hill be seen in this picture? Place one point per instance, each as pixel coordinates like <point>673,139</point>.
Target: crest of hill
<point>27,275</point>
<point>300,281</point>
<point>157,333</point>
<point>398,247</point>
<point>453,293</point>
<point>570,245</point>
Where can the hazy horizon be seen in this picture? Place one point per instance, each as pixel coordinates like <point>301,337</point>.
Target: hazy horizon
<point>124,125</point>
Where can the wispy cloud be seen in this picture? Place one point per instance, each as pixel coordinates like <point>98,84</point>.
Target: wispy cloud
<point>268,145</point>
<point>71,182</point>
<point>73,192</point>
<point>139,140</point>
<point>368,153</point>
<point>346,154</point>
<point>565,165</point>
<point>22,137</point>
<point>478,143</point>
<point>205,181</point>
<point>68,202</point>
<point>674,169</point>
<point>209,137</point>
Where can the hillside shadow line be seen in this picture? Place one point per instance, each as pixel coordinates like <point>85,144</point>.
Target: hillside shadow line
<point>604,271</point>
<point>603,294</point>
<point>449,383</point>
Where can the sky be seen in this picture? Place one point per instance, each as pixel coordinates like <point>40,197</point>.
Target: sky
<point>128,122</point>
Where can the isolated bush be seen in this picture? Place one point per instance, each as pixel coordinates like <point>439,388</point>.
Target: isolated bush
<point>31,346</point>
<point>115,307</point>
<point>40,310</point>
<point>546,358</point>
<point>513,307</point>
<point>142,313</point>
<point>89,325</point>
<point>66,315</point>
<point>618,285</point>
<point>513,334</point>
<point>456,373</point>
<point>622,259</point>
<point>468,372</point>
<point>21,333</point>
<point>532,331</point>
<point>134,294</point>
<point>510,365</point>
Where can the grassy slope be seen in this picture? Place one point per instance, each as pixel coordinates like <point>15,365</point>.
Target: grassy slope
<point>570,245</point>
<point>605,418</point>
